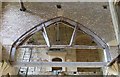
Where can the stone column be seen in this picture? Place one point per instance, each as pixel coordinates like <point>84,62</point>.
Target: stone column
<point>0,52</point>
<point>118,13</point>
<point>115,13</point>
<point>0,29</point>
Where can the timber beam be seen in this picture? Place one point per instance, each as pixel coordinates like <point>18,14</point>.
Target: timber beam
<point>73,36</point>
<point>59,64</point>
<point>45,35</point>
<point>61,46</point>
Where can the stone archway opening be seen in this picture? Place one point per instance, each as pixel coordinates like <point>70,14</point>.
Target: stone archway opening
<point>57,69</point>
<point>56,60</point>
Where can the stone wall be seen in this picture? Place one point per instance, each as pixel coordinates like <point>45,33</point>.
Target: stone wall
<point>88,56</point>
<point>114,51</point>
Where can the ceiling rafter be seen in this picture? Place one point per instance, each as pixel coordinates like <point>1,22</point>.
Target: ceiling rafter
<point>45,35</point>
<point>73,36</point>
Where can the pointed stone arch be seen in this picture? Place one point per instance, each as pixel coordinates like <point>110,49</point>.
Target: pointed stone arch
<point>49,22</point>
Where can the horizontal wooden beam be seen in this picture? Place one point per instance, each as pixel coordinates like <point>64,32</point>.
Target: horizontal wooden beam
<point>59,64</point>
<point>61,46</point>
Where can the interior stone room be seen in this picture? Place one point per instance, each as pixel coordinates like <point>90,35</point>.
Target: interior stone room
<point>60,38</point>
